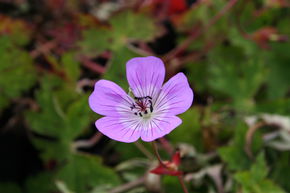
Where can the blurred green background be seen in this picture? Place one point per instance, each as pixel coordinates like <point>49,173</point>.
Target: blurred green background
<point>235,53</point>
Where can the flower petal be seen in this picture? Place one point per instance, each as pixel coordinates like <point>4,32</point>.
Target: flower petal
<point>109,99</point>
<point>175,97</point>
<point>158,127</point>
<point>145,75</point>
<point>119,129</point>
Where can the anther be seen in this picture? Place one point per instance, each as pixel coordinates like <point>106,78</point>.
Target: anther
<point>140,114</point>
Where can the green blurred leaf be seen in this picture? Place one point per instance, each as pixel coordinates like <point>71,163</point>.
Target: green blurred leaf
<point>171,184</point>
<point>16,69</point>
<point>191,126</point>
<point>254,180</point>
<point>117,68</point>
<point>129,25</point>
<point>234,154</point>
<point>259,170</point>
<point>83,172</point>
<point>42,182</point>
<point>125,26</point>
<point>95,41</point>
<point>278,78</point>
<point>235,75</point>
<point>78,116</point>
<point>279,173</point>
<point>278,106</point>
<point>63,115</point>
<point>71,66</point>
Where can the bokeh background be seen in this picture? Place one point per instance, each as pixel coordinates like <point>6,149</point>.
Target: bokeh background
<point>235,53</point>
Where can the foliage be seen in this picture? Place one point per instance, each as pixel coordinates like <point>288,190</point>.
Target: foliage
<point>234,53</point>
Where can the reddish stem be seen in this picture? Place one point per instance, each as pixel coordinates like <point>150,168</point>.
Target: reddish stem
<point>181,181</point>
<point>166,145</point>
<point>180,178</point>
<point>199,31</point>
<point>157,154</point>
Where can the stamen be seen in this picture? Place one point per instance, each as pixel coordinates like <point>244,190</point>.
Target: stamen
<point>142,105</point>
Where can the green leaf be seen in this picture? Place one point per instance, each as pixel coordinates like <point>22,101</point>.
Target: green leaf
<point>78,116</point>
<point>235,75</point>
<point>279,167</point>
<point>95,41</point>
<point>117,68</point>
<point>16,69</point>
<point>251,186</point>
<point>83,172</point>
<point>171,184</point>
<point>191,126</point>
<point>42,182</point>
<point>130,25</point>
<point>259,170</point>
<point>71,66</point>
<point>254,180</point>
<point>234,154</point>
<point>125,26</point>
<point>278,78</point>
<point>278,106</point>
<point>63,115</point>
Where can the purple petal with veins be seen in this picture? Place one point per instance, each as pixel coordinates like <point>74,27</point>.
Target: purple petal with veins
<point>149,111</point>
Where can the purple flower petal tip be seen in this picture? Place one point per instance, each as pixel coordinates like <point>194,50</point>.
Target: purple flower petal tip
<point>148,111</point>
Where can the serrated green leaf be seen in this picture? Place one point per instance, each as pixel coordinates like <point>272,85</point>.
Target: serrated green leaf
<point>251,186</point>
<point>16,69</point>
<point>95,41</point>
<point>123,28</point>
<point>255,181</point>
<point>63,115</point>
<point>130,25</point>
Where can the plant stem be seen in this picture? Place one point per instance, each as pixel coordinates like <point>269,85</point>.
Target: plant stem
<point>128,186</point>
<point>197,32</point>
<point>181,181</point>
<point>143,149</point>
<point>166,145</point>
<point>180,178</point>
<point>157,154</point>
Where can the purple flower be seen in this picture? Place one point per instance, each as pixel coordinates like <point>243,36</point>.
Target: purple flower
<point>149,110</point>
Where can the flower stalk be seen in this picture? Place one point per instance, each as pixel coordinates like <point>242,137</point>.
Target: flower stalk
<point>169,168</point>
